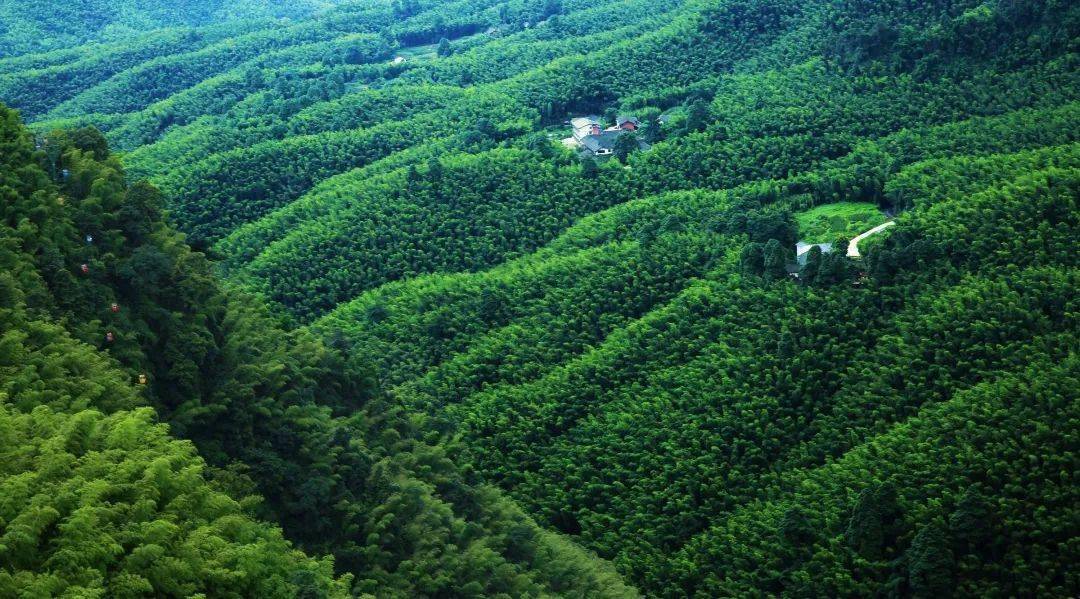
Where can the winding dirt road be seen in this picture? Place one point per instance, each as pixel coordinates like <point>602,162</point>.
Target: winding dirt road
<point>853,245</point>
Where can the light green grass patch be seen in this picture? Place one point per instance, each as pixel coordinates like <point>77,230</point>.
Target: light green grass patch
<point>424,52</point>
<point>842,220</point>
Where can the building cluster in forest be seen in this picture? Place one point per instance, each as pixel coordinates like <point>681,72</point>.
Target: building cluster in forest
<point>592,138</point>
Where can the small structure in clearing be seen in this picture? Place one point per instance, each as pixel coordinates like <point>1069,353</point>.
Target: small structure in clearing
<point>802,250</point>
<point>836,222</point>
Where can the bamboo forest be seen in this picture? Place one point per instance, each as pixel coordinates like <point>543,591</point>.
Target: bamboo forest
<point>539,298</point>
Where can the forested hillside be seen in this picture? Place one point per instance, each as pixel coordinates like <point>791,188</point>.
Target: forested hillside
<point>32,27</point>
<point>113,328</point>
<point>340,276</point>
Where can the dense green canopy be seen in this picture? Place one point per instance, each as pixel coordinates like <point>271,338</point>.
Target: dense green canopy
<point>102,368</point>
<point>442,354</point>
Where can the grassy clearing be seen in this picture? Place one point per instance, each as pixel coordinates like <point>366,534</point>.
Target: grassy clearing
<point>842,220</point>
<point>425,52</point>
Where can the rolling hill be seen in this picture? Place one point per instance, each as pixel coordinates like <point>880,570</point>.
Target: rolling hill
<point>378,292</point>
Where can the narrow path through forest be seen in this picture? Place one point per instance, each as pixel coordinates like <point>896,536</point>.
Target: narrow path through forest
<point>853,247</point>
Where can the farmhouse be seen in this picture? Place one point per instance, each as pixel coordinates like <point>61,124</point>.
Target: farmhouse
<point>627,123</point>
<point>602,144</point>
<point>585,126</point>
<point>590,135</point>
